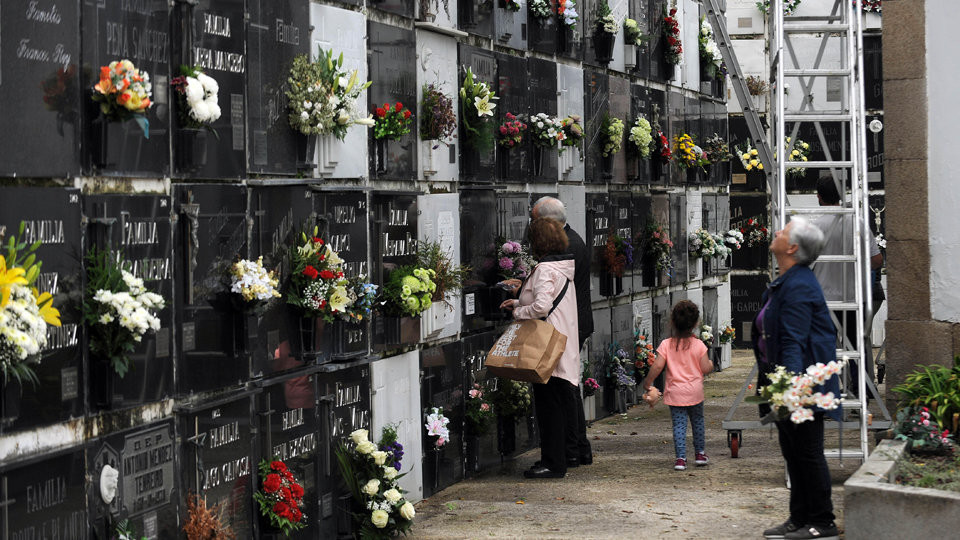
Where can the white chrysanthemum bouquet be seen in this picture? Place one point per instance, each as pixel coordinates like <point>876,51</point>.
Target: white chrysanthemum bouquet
<point>254,283</point>
<point>118,309</point>
<point>198,94</point>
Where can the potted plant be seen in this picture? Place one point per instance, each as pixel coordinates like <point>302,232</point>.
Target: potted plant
<point>511,401</point>
<point>758,88</point>
<point>660,147</point>
<point>438,123</point>
<point>757,238</point>
<point>789,6</point>
<point>604,33</point>
<point>511,5</point>
<point>25,314</point>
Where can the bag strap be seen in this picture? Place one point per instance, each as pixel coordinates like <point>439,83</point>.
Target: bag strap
<point>557,301</point>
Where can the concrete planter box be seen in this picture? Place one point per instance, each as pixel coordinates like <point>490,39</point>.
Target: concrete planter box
<point>876,507</point>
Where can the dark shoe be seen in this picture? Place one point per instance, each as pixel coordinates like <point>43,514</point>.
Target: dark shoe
<point>824,532</point>
<point>780,530</point>
<point>542,472</point>
<point>586,460</point>
<point>536,465</point>
<point>573,462</point>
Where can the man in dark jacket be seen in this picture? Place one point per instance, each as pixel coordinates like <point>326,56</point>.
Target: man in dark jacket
<point>578,446</point>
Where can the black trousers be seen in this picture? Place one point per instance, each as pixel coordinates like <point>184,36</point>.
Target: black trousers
<point>802,448</point>
<point>578,445</point>
<point>553,402</point>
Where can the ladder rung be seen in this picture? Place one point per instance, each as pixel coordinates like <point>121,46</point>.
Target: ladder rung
<point>837,258</point>
<point>815,72</point>
<point>838,452</point>
<point>842,306</point>
<point>793,27</point>
<point>851,355</point>
<point>821,210</point>
<point>823,117</point>
<point>820,164</point>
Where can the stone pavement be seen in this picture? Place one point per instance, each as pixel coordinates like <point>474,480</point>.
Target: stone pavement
<point>631,490</point>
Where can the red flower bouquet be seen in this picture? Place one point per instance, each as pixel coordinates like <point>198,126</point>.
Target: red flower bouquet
<point>671,29</point>
<point>510,133</point>
<point>317,283</point>
<point>280,497</point>
<point>391,121</point>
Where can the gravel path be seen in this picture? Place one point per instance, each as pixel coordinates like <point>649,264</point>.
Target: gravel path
<point>631,490</point>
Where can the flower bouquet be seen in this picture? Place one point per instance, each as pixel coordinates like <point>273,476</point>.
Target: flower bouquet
<point>644,352</point>
<point>323,97</point>
<point>689,155</point>
<point>476,110</point>
<point>510,133</point>
<point>436,424</point>
<point>391,121</point>
<point>641,135</point>
<point>710,57</point>
<point>408,291</point>
<point>702,244</point>
<point>717,149</point>
<point>437,119</point>
<point>733,238</point>
<point>673,54</point>
<point>705,333</point>
<point>381,510</point>
<point>874,6</point>
<point>478,412</point>
<point>253,283</point>
<point>789,6</point>
<point>756,86</point>
<point>722,250</point>
<point>611,136</point>
<point>541,9</point>
<point>447,276</point>
<point>124,93</point>
<point>590,386</point>
<point>727,334</point>
<point>203,522</point>
<point>572,133</point>
<point>117,309</point>
<point>791,395</point>
<point>632,34</point>
<point>513,261</point>
<point>511,5</point>
<point>617,254</point>
<point>197,98</point>
<point>620,367</point>
<point>657,244</point>
<point>755,233</point>
<point>511,399</point>
<point>605,21</point>
<point>567,12</point>
<point>25,312</point>
<point>317,284</point>
<point>546,131</point>
<point>799,152</point>
<point>389,444</point>
<point>280,497</point>
<point>362,295</point>
<point>749,158</point>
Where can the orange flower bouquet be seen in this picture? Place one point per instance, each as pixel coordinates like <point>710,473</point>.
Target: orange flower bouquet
<point>124,93</point>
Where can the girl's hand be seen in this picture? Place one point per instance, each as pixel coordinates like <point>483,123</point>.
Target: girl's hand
<point>651,396</point>
<point>509,304</point>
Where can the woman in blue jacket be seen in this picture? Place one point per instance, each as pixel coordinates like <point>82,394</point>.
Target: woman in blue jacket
<point>794,330</point>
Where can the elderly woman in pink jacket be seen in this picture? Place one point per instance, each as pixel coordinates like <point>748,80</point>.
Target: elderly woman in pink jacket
<point>551,284</point>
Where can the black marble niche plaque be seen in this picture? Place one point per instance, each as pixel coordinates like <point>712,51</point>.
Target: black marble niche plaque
<point>640,12</point>
<point>693,125</point>
<point>214,39</point>
<point>478,250</point>
<point>476,16</point>
<point>659,70</point>
<point>644,273</point>
<point>676,126</point>
<point>477,164</point>
<point>659,169</point>
<point>513,216</point>
<point>544,34</point>
<point>393,68</point>
<point>219,463</point>
<point>742,209</point>
<point>621,326</point>
<point>52,216</point>
<point>873,72</point>
<point>542,95</point>
<point>678,233</point>
<point>147,490</point>
<point>138,229</point>
<point>741,179</point>
<point>214,325</point>
<point>397,7</point>
<point>442,385</point>
<point>40,102</point>
<point>596,103</point>
<point>620,108</point>
<point>46,498</point>
<point>278,32</point>
<point>622,224</point>
<point>709,221</point>
<point>745,294</point>
<point>280,214</point>
<point>393,237</point>
<point>343,220</point>
<point>598,230</point>
<point>661,318</point>
<point>139,32</point>
<point>344,397</point>
<point>291,433</point>
<point>514,164</point>
<point>637,167</point>
<point>723,225</point>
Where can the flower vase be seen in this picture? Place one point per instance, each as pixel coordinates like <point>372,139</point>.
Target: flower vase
<point>473,453</point>
<point>564,39</point>
<point>669,71</point>
<point>311,341</point>
<point>506,434</point>
<point>12,395</point>
<point>380,155</point>
<point>758,257</point>
<point>345,520</point>
<point>692,177</point>
<point>101,382</point>
<point>191,148</point>
<point>650,272</point>
<point>603,46</point>
<point>656,169</point>
<point>629,56</point>
<point>538,153</point>
<point>429,167</point>
<point>306,150</point>
<point>503,161</point>
<point>399,331</point>
<point>606,164</point>
<point>348,340</point>
<point>246,333</point>
<point>99,148</point>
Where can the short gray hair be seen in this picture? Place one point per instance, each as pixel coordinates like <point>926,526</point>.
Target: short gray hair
<point>551,207</point>
<point>808,238</point>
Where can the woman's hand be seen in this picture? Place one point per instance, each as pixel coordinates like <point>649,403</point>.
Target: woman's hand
<point>511,285</point>
<point>509,304</point>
